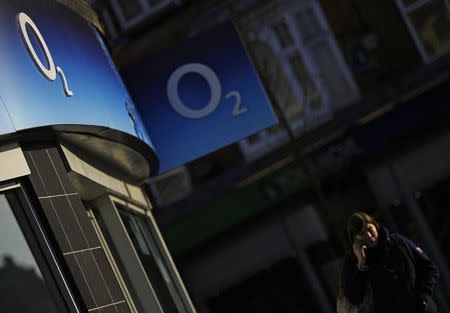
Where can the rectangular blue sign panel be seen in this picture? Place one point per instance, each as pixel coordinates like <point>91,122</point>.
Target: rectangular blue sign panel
<point>199,96</point>
<point>55,70</point>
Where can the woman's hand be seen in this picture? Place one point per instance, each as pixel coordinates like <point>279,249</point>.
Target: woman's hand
<point>426,304</point>
<point>359,249</point>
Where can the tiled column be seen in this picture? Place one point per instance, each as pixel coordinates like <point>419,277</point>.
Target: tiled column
<point>74,233</point>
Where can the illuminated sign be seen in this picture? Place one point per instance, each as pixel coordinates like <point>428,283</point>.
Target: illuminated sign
<point>50,72</point>
<point>199,96</point>
<point>43,42</point>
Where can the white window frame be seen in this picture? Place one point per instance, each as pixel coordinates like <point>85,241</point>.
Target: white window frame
<point>311,118</point>
<point>405,10</point>
<point>302,48</point>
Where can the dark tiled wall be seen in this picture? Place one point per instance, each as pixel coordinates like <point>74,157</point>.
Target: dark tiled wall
<point>74,233</point>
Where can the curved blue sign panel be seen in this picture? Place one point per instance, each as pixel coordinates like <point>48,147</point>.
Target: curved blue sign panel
<point>199,96</point>
<point>54,69</point>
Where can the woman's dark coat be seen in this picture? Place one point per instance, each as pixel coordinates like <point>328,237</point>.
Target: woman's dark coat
<point>401,276</point>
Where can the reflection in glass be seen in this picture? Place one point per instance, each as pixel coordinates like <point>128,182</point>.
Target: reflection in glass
<point>152,261</point>
<point>19,272</point>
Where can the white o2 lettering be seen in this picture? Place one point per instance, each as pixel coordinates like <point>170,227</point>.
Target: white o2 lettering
<point>237,110</point>
<point>49,71</point>
<point>213,82</point>
<point>67,91</point>
<point>216,92</point>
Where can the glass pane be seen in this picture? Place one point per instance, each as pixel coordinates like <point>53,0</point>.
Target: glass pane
<point>308,23</point>
<point>19,272</point>
<point>311,93</point>
<point>274,76</point>
<point>130,8</point>
<point>288,102</point>
<point>117,259</point>
<point>151,261</point>
<point>432,23</point>
<point>330,75</point>
<point>283,34</point>
<point>152,241</point>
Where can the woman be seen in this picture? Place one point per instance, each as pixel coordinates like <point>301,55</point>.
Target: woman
<point>388,268</point>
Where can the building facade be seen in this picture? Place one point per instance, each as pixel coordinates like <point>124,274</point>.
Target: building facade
<point>360,90</point>
<point>77,227</point>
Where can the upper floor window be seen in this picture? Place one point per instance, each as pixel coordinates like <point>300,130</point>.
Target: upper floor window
<point>307,65</point>
<point>131,12</point>
<point>428,22</point>
<point>306,44</point>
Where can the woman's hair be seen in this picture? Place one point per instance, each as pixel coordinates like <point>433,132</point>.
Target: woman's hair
<point>356,223</point>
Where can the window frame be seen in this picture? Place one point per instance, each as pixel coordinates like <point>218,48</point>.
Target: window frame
<point>310,118</point>
<point>302,48</point>
<point>107,207</point>
<point>405,11</point>
<point>153,246</point>
<point>47,258</point>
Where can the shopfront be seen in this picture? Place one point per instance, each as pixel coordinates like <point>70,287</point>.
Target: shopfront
<point>77,230</point>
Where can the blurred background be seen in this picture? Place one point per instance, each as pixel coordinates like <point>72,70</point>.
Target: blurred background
<point>361,90</point>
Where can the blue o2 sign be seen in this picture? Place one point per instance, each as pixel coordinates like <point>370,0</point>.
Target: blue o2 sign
<point>56,70</point>
<point>216,92</point>
<point>198,96</point>
<point>50,72</point>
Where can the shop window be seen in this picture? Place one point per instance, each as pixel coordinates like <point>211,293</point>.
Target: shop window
<point>139,257</point>
<point>152,260</point>
<point>28,269</point>
<point>428,22</point>
<point>113,257</point>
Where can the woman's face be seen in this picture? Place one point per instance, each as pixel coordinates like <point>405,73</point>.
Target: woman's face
<point>368,236</point>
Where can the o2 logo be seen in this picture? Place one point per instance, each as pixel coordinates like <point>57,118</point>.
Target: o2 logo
<point>50,71</point>
<point>216,92</point>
